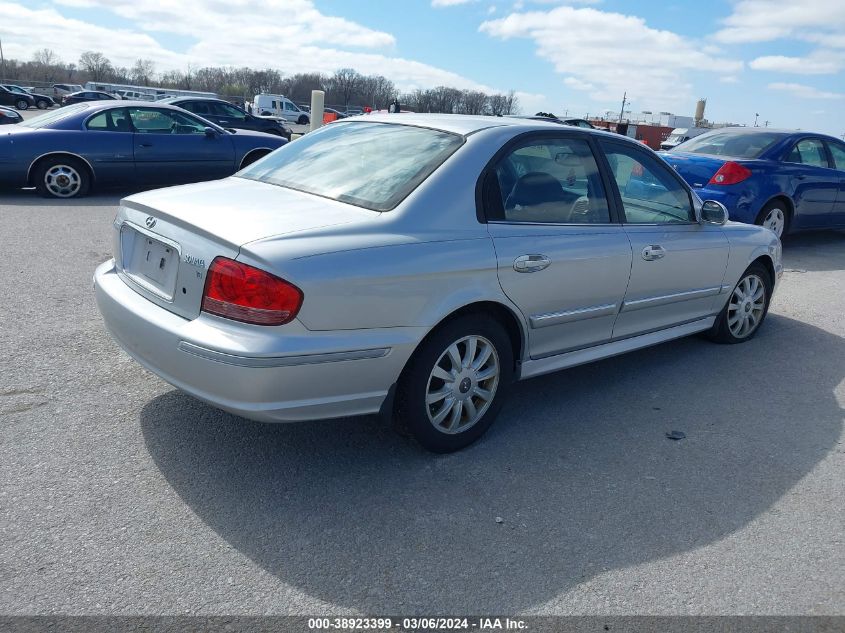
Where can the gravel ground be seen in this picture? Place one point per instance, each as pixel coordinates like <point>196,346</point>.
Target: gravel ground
<point>120,495</point>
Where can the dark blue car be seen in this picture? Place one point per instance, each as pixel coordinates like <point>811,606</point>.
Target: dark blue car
<point>67,152</point>
<point>784,180</point>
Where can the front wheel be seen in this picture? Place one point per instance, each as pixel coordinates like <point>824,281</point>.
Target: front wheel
<point>22,104</point>
<point>41,104</point>
<point>456,383</point>
<point>747,307</point>
<point>303,120</point>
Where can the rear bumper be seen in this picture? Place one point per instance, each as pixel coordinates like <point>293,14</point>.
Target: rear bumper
<point>740,206</point>
<point>271,374</point>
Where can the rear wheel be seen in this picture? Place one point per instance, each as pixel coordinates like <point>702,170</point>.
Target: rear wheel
<point>62,177</point>
<point>746,309</point>
<point>456,383</point>
<point>302,120</point>
<point>22,104</point>
<point>774,216</point>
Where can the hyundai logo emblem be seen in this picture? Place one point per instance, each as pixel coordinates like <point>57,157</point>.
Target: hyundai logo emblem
<point>150,222</point>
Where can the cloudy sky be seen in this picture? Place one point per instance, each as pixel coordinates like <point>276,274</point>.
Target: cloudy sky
<point>782,59</point>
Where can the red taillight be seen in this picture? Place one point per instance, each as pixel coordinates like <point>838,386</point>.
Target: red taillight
<point>244,293</point>
<point>729,174</point>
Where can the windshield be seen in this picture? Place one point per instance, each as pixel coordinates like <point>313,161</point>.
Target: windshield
<point>372,165</point>
<point>734,144</point>
<point>51,117</point>
<point>674,138</point>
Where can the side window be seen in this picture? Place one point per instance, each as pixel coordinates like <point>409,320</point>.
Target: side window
<point>225,110</point>
<point>150,121</point>
<point>552,181</point>
<point>808,151</point>
<point>109,121</point>
<point>838,152</point>
<point>650,194</point>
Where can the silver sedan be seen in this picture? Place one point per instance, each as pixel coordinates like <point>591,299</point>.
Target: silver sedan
<point>419,265</point>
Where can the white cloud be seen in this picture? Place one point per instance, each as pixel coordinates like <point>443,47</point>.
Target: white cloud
<point>607,53</point>
<point>819,21</point>
<point>805,92</point>
<point>729,79</point>
<point>301,39</point>
<point>450,3</point>
<point>818,63</point>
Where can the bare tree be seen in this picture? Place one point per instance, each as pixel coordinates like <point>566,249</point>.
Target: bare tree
<point>143,71</point>
<point>46,60</point>
<point>96,65</point>
<point>345,82</point>
<point>473,102</point>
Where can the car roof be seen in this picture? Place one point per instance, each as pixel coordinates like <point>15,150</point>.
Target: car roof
<point>190,98</point>
<point>469,124</point>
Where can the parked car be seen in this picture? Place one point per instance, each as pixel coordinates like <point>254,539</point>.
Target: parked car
<point>682,134</point>
<point>134,95</point>
<point>227,115</point>
<point>783,180</point>
<point>16,99</point>
<point>9,116</point>
<point>62,90</point>
<point>579,123</point>
<point>279,105</point>
<point>87,95</point>
<point>66,152</point>
<point>418,265</point>
<point>42,102</point>
<point>337,113</point>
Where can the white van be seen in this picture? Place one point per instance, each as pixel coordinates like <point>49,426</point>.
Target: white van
<point>681,134</point>
<point>280,106</point>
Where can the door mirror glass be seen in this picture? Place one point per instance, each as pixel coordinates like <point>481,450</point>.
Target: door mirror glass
<point>210,131</point>
<point>713,212</point>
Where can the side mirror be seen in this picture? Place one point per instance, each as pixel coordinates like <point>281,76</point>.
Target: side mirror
<point>713,212</point>
<point>210,132</point>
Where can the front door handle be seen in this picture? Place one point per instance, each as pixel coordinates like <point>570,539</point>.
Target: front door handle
<point>531,263</point>
<point>146,144</point>
<point>653,251</point>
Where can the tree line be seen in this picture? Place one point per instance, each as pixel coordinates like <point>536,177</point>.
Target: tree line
<point>345,87</point>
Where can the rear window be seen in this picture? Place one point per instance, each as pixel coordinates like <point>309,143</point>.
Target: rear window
<point>371,165</point>
<point>55,115</point>
<point>733,144</point>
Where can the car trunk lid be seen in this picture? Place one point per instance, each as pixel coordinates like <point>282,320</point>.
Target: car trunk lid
<point>166,239</point>
<point>696,169</point>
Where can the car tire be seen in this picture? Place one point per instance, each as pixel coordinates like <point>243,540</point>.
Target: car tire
<point>22,104</point>
<point>775,216</point>
<point>303,120</point>
<point>42,104</point>
<point>62,177</point>
<point>453,387</point>
<point>746,308</point>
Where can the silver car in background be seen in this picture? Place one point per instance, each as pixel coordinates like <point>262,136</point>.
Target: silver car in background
<point>418,265</point>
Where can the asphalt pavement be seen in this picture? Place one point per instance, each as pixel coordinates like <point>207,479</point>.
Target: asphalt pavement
<point>121,495</point>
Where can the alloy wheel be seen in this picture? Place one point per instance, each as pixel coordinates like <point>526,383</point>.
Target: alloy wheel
<point>747,306</point>
<point>775,220</point>
<point>462,384</point>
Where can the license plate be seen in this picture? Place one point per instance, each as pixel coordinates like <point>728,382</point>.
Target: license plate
<point>149,262</point>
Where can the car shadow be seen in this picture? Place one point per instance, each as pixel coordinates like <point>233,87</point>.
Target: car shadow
<point>577,469</point>
<point>99,198</point>
<point>814,251</point>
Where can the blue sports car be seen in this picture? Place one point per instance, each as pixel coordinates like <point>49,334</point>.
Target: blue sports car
<point>784,180</point>
<point>66,152</point>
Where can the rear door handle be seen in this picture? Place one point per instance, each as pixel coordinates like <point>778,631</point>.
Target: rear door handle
<point>146,144</point>
<point>653,251</point>
<point>531,263</point>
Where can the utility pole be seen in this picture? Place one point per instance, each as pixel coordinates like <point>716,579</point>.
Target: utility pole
<point>622,111</point>
<point>756,114</point>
